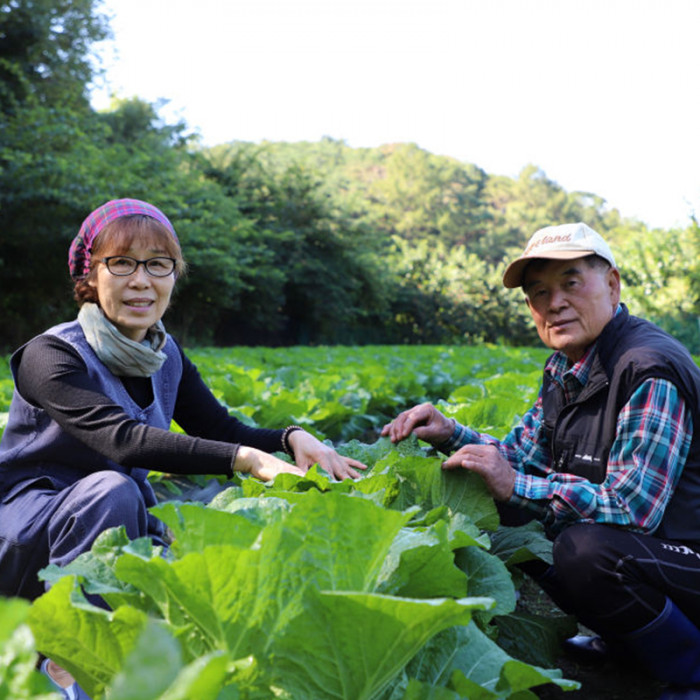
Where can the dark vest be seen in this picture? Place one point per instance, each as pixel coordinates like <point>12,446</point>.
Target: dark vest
<point>34,446</point>
<point>581,433</point>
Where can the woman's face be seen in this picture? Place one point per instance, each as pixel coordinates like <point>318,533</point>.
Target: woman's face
<point>133,303</point>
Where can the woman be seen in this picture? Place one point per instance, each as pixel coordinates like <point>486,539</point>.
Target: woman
<point>93,404</point>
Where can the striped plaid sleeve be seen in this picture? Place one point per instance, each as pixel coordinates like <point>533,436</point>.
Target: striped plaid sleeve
<point>522,447</point>
<point>654,432</point>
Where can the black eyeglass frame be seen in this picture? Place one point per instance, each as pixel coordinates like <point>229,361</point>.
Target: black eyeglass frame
<point>107,260</point>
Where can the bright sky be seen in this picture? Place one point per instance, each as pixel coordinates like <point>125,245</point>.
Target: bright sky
<point>600,94</point>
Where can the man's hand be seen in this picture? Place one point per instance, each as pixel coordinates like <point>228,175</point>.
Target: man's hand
<point>424,421</point>
<point>308,451</point>
<point>262,465</point>
<point>489,464</point>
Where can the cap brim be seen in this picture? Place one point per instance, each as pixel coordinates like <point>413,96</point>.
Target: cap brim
<point>513,276</point>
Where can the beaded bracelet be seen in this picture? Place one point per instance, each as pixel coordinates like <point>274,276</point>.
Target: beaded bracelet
<point>285,439</point>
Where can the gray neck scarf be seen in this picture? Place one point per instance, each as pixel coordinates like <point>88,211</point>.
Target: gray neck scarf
<point>122,356</point>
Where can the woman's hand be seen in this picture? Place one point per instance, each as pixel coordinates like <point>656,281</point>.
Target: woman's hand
<point>308,451</point>
<point>262,465</point>
<point>424,421</point>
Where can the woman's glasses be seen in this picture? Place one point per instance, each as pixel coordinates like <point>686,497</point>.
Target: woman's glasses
<point>123,265</point>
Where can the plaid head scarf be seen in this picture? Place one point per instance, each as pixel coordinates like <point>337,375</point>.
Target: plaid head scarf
<point>81,247</point>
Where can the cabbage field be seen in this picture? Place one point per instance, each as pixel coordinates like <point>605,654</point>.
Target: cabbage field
<point>399,585</point>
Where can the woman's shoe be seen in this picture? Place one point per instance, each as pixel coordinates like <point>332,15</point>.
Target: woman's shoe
<point>62,681</point>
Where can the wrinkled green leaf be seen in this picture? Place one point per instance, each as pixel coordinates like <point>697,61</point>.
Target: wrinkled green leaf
<point>515,545</point>
<point>194,526</point>
<point>466,660</point>
<point>534,639</point>
<point>487,575</point>
<point>89,642</point>
<point>168,678</point>
<point>424,481</point>
<point>360,641</point>
<point>420,564</point>
<point>19,679</point>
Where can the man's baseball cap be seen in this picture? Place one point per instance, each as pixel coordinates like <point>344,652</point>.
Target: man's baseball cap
<point>564,242</point>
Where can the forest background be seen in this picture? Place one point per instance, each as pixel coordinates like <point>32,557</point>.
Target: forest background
<point>287,243</point>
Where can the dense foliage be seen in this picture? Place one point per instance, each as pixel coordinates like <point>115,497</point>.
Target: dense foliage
<point>400,584</point>
<point>287,243</point>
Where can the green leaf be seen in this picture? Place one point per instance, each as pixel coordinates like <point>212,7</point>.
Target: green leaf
<point>167,678</point>
<point>383,489</point>
<point>89,642</point>
<point>194,526</point>
<point>415,690</point>
<point>227,597</point>
<point>351,645</point>
<point>515,545</point>
<point>19,678</point>
<point>420,564</point>
<point>468,688</point>
<point>339,541</point>
<point>155,649</point>
<point>466,660</point>
<point>260,512</point>
<point>95,569</point>
<point>425,482</point>
<point>370,454</point>
<point>487,575</point>
<point>206,597</point>
<point>491,667</point>
<point>462,531</point>
<point>14,612</point>
<point>534,638</point>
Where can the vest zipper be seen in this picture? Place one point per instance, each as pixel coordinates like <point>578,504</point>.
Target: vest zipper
<point>580,399</point>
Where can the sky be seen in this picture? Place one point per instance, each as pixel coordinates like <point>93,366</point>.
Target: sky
<point>602,95</point>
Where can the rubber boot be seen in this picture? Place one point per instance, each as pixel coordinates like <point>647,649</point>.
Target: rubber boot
<point>676,693</point>
<point>669,648</point>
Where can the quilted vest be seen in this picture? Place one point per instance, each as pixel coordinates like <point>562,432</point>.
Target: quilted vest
<point>34,445</point>
<point>581,433</point>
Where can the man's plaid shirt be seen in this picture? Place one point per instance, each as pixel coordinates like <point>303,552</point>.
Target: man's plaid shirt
<point>653,437</point>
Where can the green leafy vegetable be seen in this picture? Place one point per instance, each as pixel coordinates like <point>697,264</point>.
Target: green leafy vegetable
<point>400,584</point>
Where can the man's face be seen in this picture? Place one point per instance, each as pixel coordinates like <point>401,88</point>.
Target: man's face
<point>571,302</point>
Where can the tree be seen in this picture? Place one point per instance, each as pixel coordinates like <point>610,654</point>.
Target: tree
<point>45,69</point>
<point>45,51</point>
<point>522,206</point>
<point>415,194</point>
<point>451,295</point>
<point>44,195</point>
<point>659,271</point>
<point>86,160</point>
<point>328,275</point>
<point>287,243</point>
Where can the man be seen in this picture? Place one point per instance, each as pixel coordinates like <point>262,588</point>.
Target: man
<point>607,458</point>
